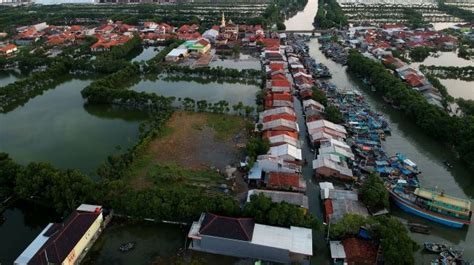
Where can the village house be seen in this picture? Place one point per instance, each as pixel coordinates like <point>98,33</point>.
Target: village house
<point>8,49</point>
<point>285,181</point>
<point>286,152</point>
<point>177,54</point>
<point>295,198</point>
<point>352,251</point>
<point>242,237</point>
<point>269,163</point>
<point>282,137</point>
<point>64,243</point>
<point>332,166</point>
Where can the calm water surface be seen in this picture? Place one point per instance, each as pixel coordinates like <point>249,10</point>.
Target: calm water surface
<point>212,91</point>
<point>459,88</point>
<point>303,20</point>
<point>147,54</point>
<point>22,224</point>
<point>56,127</point>
<point>427,153</point>
<point>245,61</point>
<point>8,77</point>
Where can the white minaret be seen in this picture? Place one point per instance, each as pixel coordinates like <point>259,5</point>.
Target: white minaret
<point>223,20</point>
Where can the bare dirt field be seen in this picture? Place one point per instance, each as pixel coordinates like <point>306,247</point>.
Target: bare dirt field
<point>195,141</point>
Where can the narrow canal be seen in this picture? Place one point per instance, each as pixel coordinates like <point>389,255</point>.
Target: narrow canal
<point>429,154</point>
<point>303,20</point>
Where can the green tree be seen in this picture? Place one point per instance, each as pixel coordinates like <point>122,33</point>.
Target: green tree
<point>333,114</point>
<point>374,194</point>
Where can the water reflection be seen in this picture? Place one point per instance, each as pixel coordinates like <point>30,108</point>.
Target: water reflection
<point>459,88</point>
<point>212,91</point>
<point>8,77</point>
<point>426,152</point>
<point>56,128</point>
<point>303,20</point>
<point>23,222</point>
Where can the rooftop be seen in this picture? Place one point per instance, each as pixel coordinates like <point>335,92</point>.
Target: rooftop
<point>296,239</point>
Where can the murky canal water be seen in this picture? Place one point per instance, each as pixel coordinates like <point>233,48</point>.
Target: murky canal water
<point>303,20</point>
<point>212,91</point>
<point>56,127</point>
<point>426,152</point>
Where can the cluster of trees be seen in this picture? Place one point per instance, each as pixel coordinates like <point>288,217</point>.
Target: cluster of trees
<point>263,210</point>
<point>114,60</point>
<point>19,92</point>
<point>155,63</point>
<point>455,11</point>
<point>466,105</point>
<point>331,113</point>
<point>420,53</point>
<point>278,10</point>
<point>329,15</point>
<point>435,122</point>
<point>374,194</point>
<point>220,107</point>
<point>256,146</point>
<point>441,88</point>
<point>390,233</point>
<point>217,72</point>
<point>414,18</point>
<point>64,190</point>
<point>449,72</point>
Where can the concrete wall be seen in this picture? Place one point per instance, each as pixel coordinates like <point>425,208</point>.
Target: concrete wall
<point>79,248</point>
<point>239,248</point>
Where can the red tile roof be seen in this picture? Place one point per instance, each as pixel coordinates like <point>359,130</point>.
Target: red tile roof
<point>279,116</point>
<point>7,48</point>
<point>276,67</point>
<point>328,210</point>
<point>268,134</point>
<point>359,251</point>
<point>64,238</point>
<point>271,44</point>
<point>281,180</point>
<point>227,227</point>
<point>281,83</point>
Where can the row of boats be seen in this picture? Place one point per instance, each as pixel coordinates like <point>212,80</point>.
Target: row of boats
<point>447,255</point>
<point>318,70</point>
<point>367,129</point>
<point>333,50</point>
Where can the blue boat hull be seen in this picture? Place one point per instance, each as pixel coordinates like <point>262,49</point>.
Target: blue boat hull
<point>405,206</point>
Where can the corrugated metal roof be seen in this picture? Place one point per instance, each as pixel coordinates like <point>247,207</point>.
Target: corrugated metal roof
<point>295,239</point>
<point>337,250</point>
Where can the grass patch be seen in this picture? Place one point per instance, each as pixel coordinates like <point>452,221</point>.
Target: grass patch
<point>171,174</point>
<point>225,126</point>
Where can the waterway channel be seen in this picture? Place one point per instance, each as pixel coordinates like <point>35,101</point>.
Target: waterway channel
<point>57,127</point>
<point>429,154</point>
<point>212,91</point>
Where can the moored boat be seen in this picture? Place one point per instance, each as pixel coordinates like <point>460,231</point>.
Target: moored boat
<point>432,205</point>
<point>435,247</point>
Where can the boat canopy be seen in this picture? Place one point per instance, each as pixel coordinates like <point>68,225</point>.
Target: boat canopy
<point>445,199</point>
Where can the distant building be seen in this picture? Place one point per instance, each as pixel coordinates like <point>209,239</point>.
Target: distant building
<point>8,49</point>
<point>176,55</point>
<point>241,237</point>
<point>63,243</point>
<point>16,2</point>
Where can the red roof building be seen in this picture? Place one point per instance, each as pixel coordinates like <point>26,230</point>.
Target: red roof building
<point>359,251</point>
<point>271,44</point>
<point>268,134</point>
<point>8,49</point>
<point>286,181</point>
<point>279,116</point>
